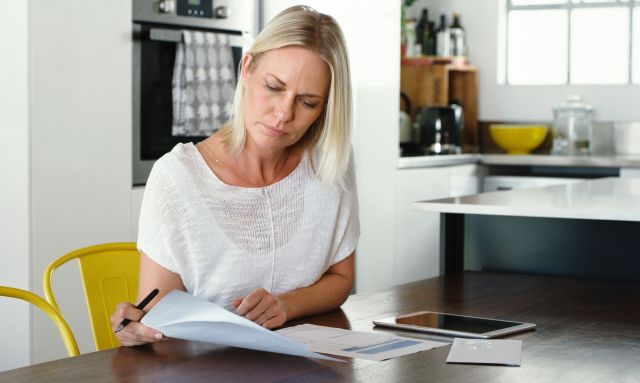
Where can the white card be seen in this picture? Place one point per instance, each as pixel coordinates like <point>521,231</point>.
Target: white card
<point>486,351</point>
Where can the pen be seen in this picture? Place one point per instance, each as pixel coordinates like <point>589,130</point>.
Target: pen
<point>140,306</point>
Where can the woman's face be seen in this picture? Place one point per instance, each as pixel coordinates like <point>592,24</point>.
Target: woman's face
<point>285,92</point>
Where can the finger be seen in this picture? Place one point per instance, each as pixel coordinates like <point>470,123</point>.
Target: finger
<point>236,302</point>
<point>132,313</point>
<point>261,308</point>
<point>274,322</point>
<point>117,314</point>
<point>271,312</point>
<point>250,301</point>
<point>136,333</point>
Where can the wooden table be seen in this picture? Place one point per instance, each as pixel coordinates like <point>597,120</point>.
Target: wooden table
<point>588,331</point>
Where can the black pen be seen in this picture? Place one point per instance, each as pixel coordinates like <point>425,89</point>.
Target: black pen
<point>140,306</point>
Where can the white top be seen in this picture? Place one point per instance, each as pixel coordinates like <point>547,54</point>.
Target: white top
<point>225,241</point>
<point>615,199</point>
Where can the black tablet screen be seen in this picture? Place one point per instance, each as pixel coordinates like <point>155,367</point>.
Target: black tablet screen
<point>456,322</point>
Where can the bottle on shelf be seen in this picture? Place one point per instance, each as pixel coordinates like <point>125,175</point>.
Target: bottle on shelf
<point>458,37</point>
<point>430,38</point>
<point>443,38</point>
<point>422,31</point>
<point>410,38</point>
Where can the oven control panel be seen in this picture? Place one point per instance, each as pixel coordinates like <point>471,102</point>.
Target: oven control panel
<point>196,8</point>
<point>232,15</point>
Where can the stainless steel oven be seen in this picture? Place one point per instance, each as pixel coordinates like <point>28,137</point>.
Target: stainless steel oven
<point>157,29</point>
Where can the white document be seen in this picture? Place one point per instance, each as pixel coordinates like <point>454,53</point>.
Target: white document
<point>181,315</point>
<point>356,344</point>
<point>486,351</point>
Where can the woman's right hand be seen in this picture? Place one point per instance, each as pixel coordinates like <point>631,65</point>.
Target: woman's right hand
<point>135,333</point>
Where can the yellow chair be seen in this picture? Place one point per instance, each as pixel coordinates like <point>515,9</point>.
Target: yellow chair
<point>110,276</point>
<point>65,331</point>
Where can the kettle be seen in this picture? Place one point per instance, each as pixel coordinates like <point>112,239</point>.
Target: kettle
<point>406,131</point>
<point>440,128</point>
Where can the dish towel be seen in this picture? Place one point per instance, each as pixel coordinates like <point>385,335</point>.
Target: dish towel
<point>203,83</point>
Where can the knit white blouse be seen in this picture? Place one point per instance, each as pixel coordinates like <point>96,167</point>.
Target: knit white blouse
<point>225,241</point>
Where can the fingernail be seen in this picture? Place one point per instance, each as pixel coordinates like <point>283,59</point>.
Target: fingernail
<point>158,336</point>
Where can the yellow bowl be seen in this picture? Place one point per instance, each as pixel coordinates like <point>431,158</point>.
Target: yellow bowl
<point>518,139</point>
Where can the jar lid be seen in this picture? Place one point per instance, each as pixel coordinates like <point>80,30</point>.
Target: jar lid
<point>573,102</point>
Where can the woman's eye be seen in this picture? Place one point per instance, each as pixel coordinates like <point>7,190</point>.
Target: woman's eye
<point>309,105</point>
<point>271,87</point>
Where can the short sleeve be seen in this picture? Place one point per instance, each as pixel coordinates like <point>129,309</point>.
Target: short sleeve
<point>158,234</point>
<point>348,226</point>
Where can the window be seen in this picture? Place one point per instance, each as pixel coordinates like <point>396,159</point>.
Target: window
<point>557,42</point>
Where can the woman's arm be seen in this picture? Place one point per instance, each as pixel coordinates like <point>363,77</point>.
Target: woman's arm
<point>328,293</point>
<point>152,276</point>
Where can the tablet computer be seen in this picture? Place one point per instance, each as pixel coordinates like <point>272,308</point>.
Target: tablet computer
<point>454,325</point>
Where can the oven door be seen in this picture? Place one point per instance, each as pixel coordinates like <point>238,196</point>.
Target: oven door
<point>154,52</point>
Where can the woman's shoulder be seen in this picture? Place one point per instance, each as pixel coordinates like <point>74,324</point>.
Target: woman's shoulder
<point>176,164</point>
<point>182,156</point>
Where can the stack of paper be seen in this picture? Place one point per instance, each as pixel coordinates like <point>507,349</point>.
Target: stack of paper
<point>183,316</point>
<point>355,344</point>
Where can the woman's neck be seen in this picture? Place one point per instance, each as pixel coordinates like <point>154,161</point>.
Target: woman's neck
<point>263,166</point>
<point>251,167</point>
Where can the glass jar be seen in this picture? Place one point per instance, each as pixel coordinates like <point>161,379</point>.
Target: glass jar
<point>572,127</point>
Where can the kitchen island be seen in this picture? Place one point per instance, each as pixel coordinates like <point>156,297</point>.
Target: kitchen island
<point>583,229</point>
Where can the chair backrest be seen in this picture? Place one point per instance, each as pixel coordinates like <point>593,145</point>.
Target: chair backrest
<point>63,327</point>
<point>109,276</point>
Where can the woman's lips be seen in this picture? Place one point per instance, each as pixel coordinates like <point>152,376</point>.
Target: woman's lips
<point>273,131</point>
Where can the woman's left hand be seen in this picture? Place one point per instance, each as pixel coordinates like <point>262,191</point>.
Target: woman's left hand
<point>263,308</point>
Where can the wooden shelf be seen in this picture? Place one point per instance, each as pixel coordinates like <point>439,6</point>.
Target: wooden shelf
<point>431,60</point>
<point>428,82</point>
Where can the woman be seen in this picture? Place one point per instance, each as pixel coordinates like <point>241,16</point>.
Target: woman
<point>261,217</point>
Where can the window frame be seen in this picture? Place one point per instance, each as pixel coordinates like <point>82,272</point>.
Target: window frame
<point>570,5</point>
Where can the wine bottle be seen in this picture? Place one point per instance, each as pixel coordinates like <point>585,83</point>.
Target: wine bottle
<point>431,39</point>
<point>458,37</point>
<point>422,30</point>
<point>443,38</point>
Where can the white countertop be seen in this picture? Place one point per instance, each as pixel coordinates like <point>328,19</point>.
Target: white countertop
<point>611,161</point>
<point>614,199</point>
<point>435,161</point>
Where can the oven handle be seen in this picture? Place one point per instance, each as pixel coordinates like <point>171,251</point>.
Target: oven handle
<point>175,36</point>
<point>170,35</point>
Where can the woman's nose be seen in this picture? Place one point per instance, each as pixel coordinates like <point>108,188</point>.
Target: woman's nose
<point>284,110</point>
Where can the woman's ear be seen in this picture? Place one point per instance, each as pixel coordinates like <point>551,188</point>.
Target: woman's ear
<point>247,60</point>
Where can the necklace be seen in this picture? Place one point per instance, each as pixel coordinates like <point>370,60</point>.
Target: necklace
<point>276,177</point>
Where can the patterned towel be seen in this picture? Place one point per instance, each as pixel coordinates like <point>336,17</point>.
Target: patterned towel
<point>203,83</point>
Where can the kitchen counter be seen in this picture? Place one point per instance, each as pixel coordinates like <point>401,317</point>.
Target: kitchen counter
<point>586,229</point>
<point>435,161</point>
<point>610,161</point>
<point>616,199</point>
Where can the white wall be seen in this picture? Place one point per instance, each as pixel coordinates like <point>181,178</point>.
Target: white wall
<point>81,147</point>
<point>14,175</point>
<point>501,102</point>
<point>372,32</point>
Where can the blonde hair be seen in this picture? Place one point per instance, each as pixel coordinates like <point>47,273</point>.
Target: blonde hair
<point>330,133</point>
